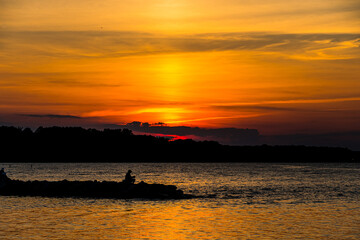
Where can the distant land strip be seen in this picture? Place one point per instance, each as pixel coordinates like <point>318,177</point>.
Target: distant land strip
<point>76,144</point>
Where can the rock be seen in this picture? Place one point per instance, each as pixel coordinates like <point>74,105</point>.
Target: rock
<point>91,189</point>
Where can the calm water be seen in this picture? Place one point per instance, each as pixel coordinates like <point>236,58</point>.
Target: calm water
<point>242,201</point>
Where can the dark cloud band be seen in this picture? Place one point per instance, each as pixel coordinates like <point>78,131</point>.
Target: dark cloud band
<point>51,116</point>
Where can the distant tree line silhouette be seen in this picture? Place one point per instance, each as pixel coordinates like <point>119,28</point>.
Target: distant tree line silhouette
<point>76,144</point>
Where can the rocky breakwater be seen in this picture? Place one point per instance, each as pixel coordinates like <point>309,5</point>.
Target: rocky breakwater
<point>91,189</point>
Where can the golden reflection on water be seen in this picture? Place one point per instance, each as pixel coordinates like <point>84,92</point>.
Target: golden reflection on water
<point>253,201</point>
<point>45,218</point>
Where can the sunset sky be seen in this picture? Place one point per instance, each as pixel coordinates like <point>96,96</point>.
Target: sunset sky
<point>280,66</point>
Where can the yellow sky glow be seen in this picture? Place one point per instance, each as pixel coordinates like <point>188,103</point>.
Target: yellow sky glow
<point>258,64</point>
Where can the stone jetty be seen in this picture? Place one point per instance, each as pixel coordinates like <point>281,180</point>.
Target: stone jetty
<point>91,189</point>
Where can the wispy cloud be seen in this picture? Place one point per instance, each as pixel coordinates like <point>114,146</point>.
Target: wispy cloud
<point>214,118</point>
<point>291,105</point>
<point>56,116</point>
<point>91,44</point>
<point>349,8</point>
<point>262,104</point>
<point>60,79</point>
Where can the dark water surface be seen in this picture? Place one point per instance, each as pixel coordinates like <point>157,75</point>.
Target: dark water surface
<point>242,201</point>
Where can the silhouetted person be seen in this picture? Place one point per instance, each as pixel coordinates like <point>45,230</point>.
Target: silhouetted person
<point>3,176</point>
<point>129,178</point>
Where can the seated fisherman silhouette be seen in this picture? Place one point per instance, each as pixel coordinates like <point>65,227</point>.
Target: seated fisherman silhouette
<point>129,178</point>
<point>3,176</point>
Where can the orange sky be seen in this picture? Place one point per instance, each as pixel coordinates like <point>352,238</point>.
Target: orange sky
<point>277,66</point>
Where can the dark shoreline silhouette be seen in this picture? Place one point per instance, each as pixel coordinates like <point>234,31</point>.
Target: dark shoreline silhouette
<point>91,189</point>
<point>76,144</point>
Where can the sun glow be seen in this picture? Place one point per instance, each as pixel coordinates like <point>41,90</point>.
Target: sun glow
<point>257,64</point>
<point>169,75</point>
